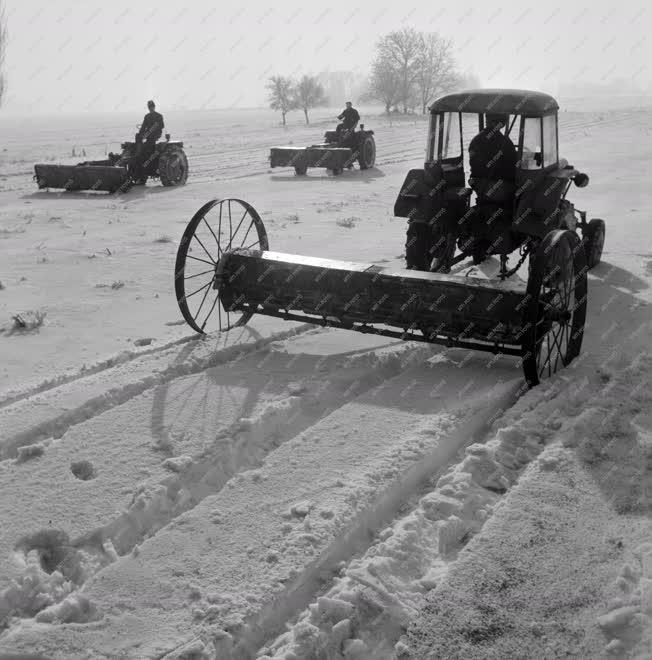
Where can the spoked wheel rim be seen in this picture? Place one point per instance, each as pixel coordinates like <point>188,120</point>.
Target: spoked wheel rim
<point>556,306</point>
<point>216,228</point>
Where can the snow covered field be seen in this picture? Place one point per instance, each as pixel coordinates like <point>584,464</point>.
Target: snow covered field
<point>289,491</point>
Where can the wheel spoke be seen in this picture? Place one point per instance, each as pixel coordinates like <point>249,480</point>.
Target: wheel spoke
<point>244,215</point>
<point>217,297</point>
<point>217,240</point>
<point>210,263</point>
<point>203,300</point>
<point>205,250</point>
<point>219,228</point>
<point>256,242</point>
<point>198,290</point>
<point>247,234</point>
<point>212,270</point>
<point>560,351</point>
<point>230,226</point>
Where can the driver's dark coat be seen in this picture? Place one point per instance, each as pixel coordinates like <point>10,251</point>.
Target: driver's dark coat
<point>350,117</point>
<point>492,155</point>
<point>152,126</point>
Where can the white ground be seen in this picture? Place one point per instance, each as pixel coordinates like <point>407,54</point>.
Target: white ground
<point>288,491</point>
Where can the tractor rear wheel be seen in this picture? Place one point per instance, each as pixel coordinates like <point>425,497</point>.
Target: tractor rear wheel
<point>300,170</point>
<point>367,153</point>
<point>173,167</point>
<point>593,238</point>
<point>205,240</point>
<point>555,309</point>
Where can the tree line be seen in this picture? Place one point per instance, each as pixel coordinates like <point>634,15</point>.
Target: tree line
<point>409,71</point>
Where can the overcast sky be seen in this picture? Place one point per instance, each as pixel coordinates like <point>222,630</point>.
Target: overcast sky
<point>69,56</point>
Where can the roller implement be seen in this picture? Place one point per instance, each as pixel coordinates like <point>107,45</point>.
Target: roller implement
<point>335,154</point>
<point>118,172</point>
<point>225,272</point>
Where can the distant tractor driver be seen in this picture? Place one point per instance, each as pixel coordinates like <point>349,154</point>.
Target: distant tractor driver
<point>350,118</point>
<point>150,130</point>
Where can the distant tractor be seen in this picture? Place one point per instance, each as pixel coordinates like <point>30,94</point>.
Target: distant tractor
<point>118,172</point>
<point>337,153</point>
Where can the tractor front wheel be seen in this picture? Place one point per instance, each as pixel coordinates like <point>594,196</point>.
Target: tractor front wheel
<point>593,238</point>
<point>173,167</point>
<point>367,153</point>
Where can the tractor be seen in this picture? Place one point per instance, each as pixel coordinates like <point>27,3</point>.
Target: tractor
<point>338,152</point>
<point>505,216</point>
<point>225,272</point>
<point>118,172</point>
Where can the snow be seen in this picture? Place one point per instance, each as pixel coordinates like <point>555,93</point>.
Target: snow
<point>286,491</point>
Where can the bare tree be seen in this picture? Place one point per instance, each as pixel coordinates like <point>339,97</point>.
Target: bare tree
<point>401,49</point>
<point>281,95</point>
<point>309,94</point>
<point>435,68</point>
<point>384,84</point>
<point>3,45</point>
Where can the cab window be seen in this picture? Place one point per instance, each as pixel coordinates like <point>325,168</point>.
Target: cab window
<point>531,155</point>
<point>431,147</point>
<point>444,137</point>
<point>451,140</point>
<point>550,156</point>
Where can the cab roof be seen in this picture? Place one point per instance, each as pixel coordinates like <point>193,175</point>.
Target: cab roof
<point>499,101</point>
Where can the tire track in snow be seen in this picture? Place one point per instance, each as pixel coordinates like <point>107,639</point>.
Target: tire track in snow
<point>366,611</point>
<point>242,446</point>
<point>480,411</point>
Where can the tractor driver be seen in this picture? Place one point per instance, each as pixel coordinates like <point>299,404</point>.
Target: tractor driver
<point>493,158</point>
<point>350,118</point>
<point>150,130</point>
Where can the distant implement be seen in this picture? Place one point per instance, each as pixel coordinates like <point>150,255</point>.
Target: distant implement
<point>119,172</point>
<point>339,151</point>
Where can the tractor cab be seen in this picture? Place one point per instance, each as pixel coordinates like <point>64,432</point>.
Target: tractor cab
<point>445,203</point>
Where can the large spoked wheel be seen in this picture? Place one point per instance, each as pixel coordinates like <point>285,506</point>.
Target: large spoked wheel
<point>367,157</point>
<point>218,226</point>
<point>555,308</point>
